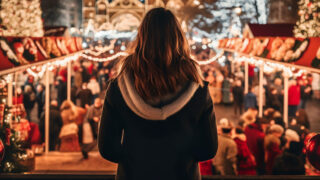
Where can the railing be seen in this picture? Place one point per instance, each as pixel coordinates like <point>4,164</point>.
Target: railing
<point>106,176</point>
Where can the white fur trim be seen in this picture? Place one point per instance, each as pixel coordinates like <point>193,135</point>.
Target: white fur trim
<point>146,111</point>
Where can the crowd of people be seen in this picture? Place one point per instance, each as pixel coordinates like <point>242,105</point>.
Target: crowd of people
<point>253,145</point>
<point>248,145</point>
<point>73,123</point>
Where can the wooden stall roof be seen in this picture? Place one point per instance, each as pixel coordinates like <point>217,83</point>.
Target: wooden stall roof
<point>268,30</point>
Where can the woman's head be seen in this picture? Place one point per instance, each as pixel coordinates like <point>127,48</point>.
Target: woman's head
<point>160,59</point>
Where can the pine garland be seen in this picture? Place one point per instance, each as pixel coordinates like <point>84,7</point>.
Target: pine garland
<point>14,153</point>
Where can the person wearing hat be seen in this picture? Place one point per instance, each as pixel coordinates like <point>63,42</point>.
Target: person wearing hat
<point>226,157</point>
<point>272,145</point>
<point>291,161</point>
<point>293,144</point>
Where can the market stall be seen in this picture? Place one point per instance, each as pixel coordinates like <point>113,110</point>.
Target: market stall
<point>28,53</point>
<point>288,53</point>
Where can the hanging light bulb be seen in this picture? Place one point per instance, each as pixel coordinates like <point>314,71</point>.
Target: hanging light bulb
<point>238,10</point>
<point>123,48</point>
<point>196,2</point>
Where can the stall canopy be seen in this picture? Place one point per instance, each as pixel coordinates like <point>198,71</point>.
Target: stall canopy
<point>19,51</point>
<point>304,53</point>
<point>268,30</point>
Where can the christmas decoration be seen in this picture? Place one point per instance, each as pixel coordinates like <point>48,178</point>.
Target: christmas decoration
<point>313,151</point>
<point>306,141</point>
<point>21,18</point>
<point>309,23</point>
<point>10,161</point>
<point>1,150</point>
<point>217,19</point>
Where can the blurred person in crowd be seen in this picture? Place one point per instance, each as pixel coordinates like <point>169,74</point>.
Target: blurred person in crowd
<point>211,80</point>
<point>294,97</point>
<point>55,124</point>
<point>69,131</point>
<point>85,96</point>
<point>256,90</point>
<point>293,144</point>
<point>29,82</point>
<point>63,73</point>
<point>218,89</point>
<point>272,145</point>
<point>302,118</point>
<point>238,96</point>
<point>29,99</point>
<point>250,99</point>
<point>278,86</point>
<point>94,87</point>
<point>268,113</point>
<point>90,135</point>
<point>74,91</point>
<point>84,72</point>
<point>158,108</point>
<point>91,69</point>
<point>265,124</point>
<point>288,164</point>
<point>249,116</point>
<point>103,77</point>
<point>246,163</point>
<point>277,119</point>
<point>273,99</point>
<point>78,76</point>
<point>293,124</point>
<point>40,97</point>
<point>255,141</point>
<point>251,73</point>
<point>18,97</point>
<point>226,90</point>
<point>225,161</point>
<point>62,90</point>
<point>316,85</point>
<point>82,112</point>
<point>305,93</point>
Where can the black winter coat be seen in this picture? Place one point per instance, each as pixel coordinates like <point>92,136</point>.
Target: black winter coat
<point>167,149</point>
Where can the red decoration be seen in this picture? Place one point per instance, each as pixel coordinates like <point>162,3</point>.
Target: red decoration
<point>206,167</point>
<point>306,141</point>
<point>313,151</point>
<point>8,134</point>
<point>1,150</point>
<point>310,4</point>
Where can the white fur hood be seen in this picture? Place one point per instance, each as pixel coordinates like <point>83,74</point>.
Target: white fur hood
<point>146,111</point>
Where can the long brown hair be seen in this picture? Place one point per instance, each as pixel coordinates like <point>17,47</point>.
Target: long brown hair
<point>160,60</point>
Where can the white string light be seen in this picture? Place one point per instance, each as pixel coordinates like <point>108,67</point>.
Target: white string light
<point>218,56</point>
<point>51,65</point>
<point>100,50</point>
<point>269,66</point>
<point>104,59</point>
<point>38,74</point>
